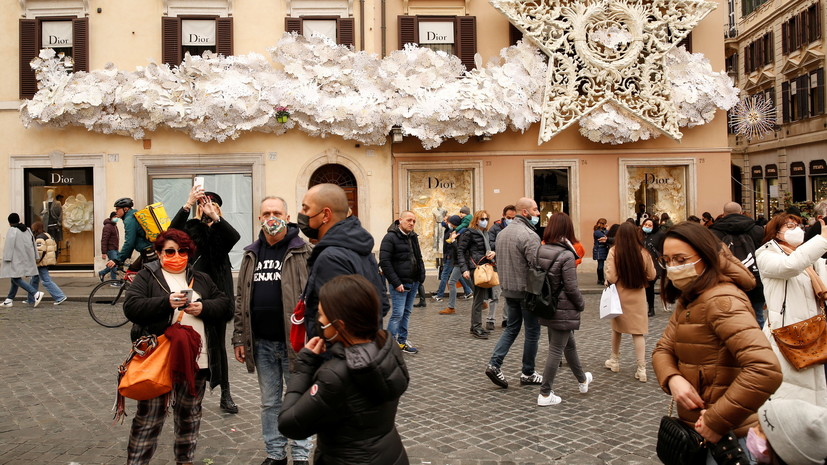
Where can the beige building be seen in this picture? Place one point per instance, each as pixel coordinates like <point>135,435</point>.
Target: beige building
<point>588,180</point>
<point>776,49</point>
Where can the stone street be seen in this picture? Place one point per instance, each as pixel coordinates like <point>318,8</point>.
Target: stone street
<point>59,368</point>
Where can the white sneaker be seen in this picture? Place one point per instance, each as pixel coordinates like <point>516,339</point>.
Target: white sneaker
<point>8,303</point>
<point>38,296</point>
<point>584,387</point>
<point>551,399</point>
<point>64,299</point>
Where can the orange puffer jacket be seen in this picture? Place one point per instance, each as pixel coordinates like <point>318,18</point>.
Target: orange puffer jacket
<point>716,344</point>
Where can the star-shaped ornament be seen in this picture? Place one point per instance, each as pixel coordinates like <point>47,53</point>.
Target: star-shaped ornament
<point>604,51</point>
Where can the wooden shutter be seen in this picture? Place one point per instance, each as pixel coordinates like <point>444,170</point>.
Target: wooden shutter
<point>80,44</point>
<point>171,41</point>
<point>466,39</point>
<point>817,21</point>
<point>785,101</point>
<point>785,47</point>
<point>747,59</point>
<point>408,33</point>
<point>28,52</point>
<point>514,35</point>
<point>805,27</point>
<point>803,91</point>
<point>224,36</point>
<point>819,92</point>
<point>293,25</point>
<point>345,34</point>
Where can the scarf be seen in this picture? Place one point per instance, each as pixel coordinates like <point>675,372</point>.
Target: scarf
<point>819,289</point>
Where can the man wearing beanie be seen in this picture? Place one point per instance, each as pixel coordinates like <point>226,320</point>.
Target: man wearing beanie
<point>796,431</point>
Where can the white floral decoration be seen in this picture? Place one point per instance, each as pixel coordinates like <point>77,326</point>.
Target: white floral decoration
<point>754,117</point>
<point>329,90</point>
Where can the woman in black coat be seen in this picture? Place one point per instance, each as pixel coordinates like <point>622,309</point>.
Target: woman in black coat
<point>475,248</point>
<point>653,241</point>
<point>348,396</point>
<point>557,256</point>
<point>214,238</point>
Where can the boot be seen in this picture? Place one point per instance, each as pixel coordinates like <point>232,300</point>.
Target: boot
<point>421,302</point>
<point>447,311</point>
<point>613,363</point>
<point>651,312</point>
<point>641,371</point>
<point>227,403</point>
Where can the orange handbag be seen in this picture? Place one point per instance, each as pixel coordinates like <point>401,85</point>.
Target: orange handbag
<point>147,373</point>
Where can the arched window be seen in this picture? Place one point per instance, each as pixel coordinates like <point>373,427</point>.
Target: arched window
<point>342,177</point>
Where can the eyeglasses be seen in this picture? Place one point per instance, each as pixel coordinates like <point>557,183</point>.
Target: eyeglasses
<point>169,253</point>
<point>791,225</point>
<point>677,260</point>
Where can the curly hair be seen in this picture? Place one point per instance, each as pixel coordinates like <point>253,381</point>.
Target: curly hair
<point>179,237</point>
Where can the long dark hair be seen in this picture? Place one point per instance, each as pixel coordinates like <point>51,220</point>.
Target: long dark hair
<point>559,227</point>
<point>353,300</point>
<point>708,247</point>
<point>631,273</point>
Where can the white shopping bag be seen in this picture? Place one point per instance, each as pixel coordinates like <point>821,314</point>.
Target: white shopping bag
<point>610,303</point>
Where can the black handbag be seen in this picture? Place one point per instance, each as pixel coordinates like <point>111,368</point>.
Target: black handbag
<point>678,443</point>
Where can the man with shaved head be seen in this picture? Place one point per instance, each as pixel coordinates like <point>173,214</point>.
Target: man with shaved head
<point>740,233</point>
<point>344,247</point>
<point>516,250</point>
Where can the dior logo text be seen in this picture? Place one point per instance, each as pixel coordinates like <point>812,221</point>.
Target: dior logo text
<point>435,183</point>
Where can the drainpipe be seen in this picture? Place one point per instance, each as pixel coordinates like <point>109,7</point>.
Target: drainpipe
<point>384,29</point>
<point>362,25</point>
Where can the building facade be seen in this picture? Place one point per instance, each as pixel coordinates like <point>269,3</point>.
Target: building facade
<point>776,50</point>
<point>90,170</point>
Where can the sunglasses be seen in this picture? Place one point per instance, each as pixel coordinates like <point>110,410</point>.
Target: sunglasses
<point>169,253</point>
<point>486,219</point>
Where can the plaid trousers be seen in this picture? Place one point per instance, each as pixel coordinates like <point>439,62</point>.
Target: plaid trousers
<point>149,421</point>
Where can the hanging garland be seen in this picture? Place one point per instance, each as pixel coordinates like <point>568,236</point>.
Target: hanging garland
<point>331,89</point>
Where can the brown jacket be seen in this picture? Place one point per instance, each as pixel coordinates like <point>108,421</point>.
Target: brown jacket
<point>635,317</point>
<point>716,344</point>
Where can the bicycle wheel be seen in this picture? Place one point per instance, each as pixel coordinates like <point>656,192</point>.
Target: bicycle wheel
<point>106,303</point>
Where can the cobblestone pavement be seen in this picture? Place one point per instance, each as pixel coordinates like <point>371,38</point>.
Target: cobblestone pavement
<point>58,368</point>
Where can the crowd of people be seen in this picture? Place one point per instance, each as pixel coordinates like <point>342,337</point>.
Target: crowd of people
<point>728,282</point>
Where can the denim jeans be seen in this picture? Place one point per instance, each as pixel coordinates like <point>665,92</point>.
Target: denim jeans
<point>456,275</point>
<point>759,312</point>
<point>600,276</point>
<point>51,286</point>
<point>401,306</point>
<point>18,283</point>
<point>517,313</point>
<point>447,268</point>
<point>112,254</point>
<point>273,373</point>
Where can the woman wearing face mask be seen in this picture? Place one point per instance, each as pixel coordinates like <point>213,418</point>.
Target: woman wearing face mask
<point>153,301</point>
<point>653,241</point>
<point>601,248</point>
<point>349,397</point>
<point>712,357</point>
<point>475,248</point>
<point>630,266</point>
<point>110,241</point>
<point>790,283</point>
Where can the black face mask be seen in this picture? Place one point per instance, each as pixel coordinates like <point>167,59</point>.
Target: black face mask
<point>304,225</point>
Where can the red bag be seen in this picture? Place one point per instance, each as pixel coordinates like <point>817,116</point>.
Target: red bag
<point>298,332</point>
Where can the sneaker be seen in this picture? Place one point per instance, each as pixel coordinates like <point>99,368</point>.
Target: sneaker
<point>479,333</point>
<point>101,277</point>
<point>489,325</point>
<point>38,296</point>
<point>584,387</point>
<point>550,399</point>
<point>408,348</point>
<point>468,296</point>
<point>496,375</point>
<point>118,284</point>
<point>437,298</point>
<point>532,379</point>
<point>64,299</point>
<point>8,303</point>
<point>447,311</point>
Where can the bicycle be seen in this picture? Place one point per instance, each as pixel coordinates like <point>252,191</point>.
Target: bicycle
<point>106,300</point>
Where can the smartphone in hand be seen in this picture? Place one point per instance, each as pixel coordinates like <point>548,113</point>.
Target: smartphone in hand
<point>198,181</point>
<point>187,294</point>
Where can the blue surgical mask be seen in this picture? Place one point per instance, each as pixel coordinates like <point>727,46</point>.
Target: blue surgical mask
<point>508,221</point>
<point>647,229</point>
<point>535,220</point>
<point>483,224</point>
<point>115,219</point>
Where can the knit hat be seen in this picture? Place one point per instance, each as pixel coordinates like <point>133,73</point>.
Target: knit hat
<point>465,210</point>
<point>455,220</point>
<point>796,430</point>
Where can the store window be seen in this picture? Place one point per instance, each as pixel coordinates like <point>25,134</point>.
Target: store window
<point>451,34</point>
<point>62,199</point>
<point>818,176</point>
<point>798,181</point>
<point>659,189</point>
<point>758,191</point>
<point>773,194</point>
<point>339,30</point>
<point>69,36</point>
<point>195,35</point>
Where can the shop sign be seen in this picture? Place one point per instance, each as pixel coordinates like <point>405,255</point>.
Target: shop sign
<point>436,32</point>
<point>56,34</point>
<point>772,171</point>
<point>818,167</point>
<point>798,168</point>
<point>67,177</point>
<point>651,178</point>
<point>197,32</point>
<point>757,172</point>
<point>436,183</point>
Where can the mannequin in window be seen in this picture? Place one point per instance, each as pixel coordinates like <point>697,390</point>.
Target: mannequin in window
<point>439,213</point>
<point>55,225</point>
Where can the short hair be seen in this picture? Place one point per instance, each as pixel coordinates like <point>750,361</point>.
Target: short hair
<point>175,235</point>
<point>732,208</point>
<point>820,209</point>
<point>402,213</point>
<point>37,228</point>
<point>112,215</point>
<point>274,197</point>
<point>59,197</point>
<point>353,300</point>
<point>14,218</point>
<point>509,207</point>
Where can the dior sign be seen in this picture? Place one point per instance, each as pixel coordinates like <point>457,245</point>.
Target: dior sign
<point>650,178</point>
<point>436,32</point>
<point>56,34</point>
<point>197,32</point>
<point>435,183</point>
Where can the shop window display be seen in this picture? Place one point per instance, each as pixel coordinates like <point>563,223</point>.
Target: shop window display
<point>662,189</point>
<point>551,192</point>
<point>62,200</point>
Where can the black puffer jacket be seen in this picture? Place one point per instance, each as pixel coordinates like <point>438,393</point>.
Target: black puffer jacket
<point>147,307</point>
<point>735,225</point>
<point>349,402</point>
<point>654,244</point>
<point>559,260</point>
<point>471,249</point>
<point>400,257</point>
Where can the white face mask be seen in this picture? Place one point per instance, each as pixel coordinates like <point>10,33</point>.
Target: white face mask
<point>794,237</point>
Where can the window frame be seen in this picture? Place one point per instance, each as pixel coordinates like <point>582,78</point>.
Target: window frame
<point>345,27</point>
<point>172,51</point>
<point>29,42</point>
<point>465,34</point>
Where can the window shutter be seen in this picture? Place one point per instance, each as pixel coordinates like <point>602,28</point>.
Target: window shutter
<point>817,21</point>
<point>80,44</point>
<point>28,52</point>
<point>785,48</point>
<point>819,97</point>
<point>171,41</point>
<point>514,35</point>
<point>408,33</point>
<point>803,90</point>
<point>224,36</point>
<point>747,59</point>
<point>467,40</point>
<point>345,32</point>
<point>805,27</point>
<point>293,25</point>
<point>785,101</point>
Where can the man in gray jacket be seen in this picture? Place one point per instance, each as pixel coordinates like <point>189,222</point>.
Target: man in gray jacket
<point>271,279</point>
<point>517,249</point>
<point>19,260</point>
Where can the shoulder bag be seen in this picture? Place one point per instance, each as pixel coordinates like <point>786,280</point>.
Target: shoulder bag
<point>678,443</point>
<point>146,373</point>
<point>298,330</point>
<point>542,298</point>
<point>485,275</point>
<point>610,303</point>
<point>803,344</point>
